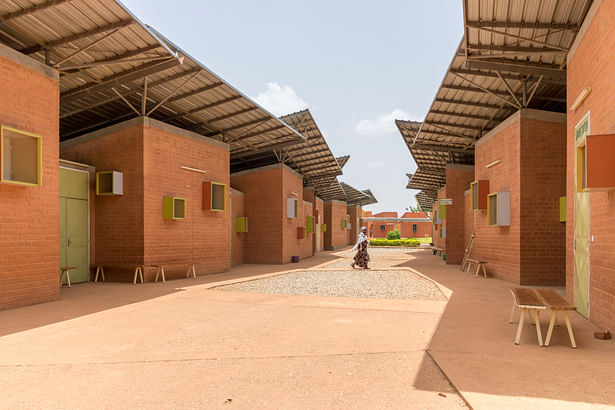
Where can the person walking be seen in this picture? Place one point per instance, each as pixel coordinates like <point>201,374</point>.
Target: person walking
<point>362,257</point>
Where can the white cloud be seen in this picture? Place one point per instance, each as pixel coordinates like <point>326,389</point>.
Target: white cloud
<point>280,100</point>
<point>375,165</point>
<point>384,124</point>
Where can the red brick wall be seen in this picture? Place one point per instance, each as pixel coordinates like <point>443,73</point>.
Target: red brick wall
<point>320,208</point>
<point>29,221</point>
<point>437,241</point>
<point>130,229</point>
<point>468,221</point>
<point>203,237</point>
<point>530,147</point>
<point>293,188</point>
<point>265,206</point>
<point>591,65</point>
<point>335,237</point>
<point>500,246</point>
<point>355,215</point>
<point>423,229</point>
<point>543,182</point>
<point>118,222</point>
<point>458,179</point>
<point>237,238</point>
<point>272,237</point>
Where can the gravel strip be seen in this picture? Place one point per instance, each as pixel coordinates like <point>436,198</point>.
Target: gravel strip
<point>354,283</point>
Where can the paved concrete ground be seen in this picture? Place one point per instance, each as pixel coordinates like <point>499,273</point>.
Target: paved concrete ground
<point>474,346</point>
<point>186,345</point>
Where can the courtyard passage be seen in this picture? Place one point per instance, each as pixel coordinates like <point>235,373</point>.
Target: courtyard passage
<point>201,344</point>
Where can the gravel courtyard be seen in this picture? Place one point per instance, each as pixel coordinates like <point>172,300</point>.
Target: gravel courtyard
<point>352,283</point>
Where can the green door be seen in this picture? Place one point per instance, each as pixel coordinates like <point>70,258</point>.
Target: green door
<point>74,238</point>
<point>581,223</point>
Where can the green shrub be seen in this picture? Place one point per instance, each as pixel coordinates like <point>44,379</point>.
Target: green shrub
<point>394,242</point>
<point>394,234</point>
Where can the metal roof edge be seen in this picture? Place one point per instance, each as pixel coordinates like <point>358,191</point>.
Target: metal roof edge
<point>204,67</point>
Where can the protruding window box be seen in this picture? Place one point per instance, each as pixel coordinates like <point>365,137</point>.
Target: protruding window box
<point>20,157</point>
<point>109,183</point>
<point>300,232</point>
<point>241,224</point>
<point>478,194</point>
<point>323,228</point>
<point>562,209</point>
<point>292,208</point>
<point>599,163</point>
<point>214,196</point>
<point>309,224</point>
<point>498,209</point>
<point>442,210</point>
<point>344,223</point>
<point>173,207</point>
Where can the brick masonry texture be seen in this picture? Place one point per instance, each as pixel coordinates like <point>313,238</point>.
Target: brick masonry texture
<point>458,179</point>
<point>531,250</point>
<point>272,237</point>
<point>335,237</point>
<point>592,65</point>
<point>437,241</point>
<point>29,216</point>
<point>130,229</point>
<point>237,238</point>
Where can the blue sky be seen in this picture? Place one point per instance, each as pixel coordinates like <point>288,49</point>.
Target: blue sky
<point>357,65</point>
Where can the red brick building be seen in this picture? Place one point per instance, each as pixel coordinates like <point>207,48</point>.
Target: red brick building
<point>590,210</point>
<point>271,194</point>
<point>130,229</point>
<point>29,247</point>
<point>410,225</point>
<point>524,159</point>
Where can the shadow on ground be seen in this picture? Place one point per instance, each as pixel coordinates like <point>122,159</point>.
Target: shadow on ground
<point>474,346</point>
<point>87,298</point>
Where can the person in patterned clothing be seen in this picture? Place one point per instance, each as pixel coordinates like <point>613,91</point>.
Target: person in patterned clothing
<point>362,257</point>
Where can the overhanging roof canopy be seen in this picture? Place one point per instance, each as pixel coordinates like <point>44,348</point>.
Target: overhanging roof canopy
<point>512,56</point>
<point>356,197</point>
<point>113,68</point>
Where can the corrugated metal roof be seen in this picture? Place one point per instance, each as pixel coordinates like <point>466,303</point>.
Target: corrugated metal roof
<point>356,197</point>
<point>113,68</point>
<point>512,56</point>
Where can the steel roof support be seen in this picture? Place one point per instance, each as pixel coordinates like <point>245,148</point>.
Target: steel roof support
<point>78,36</point>
<point>126,101</point>
<point>129,92</point>
<point>30,10</point>
<point>117,80</point>
<point>161,103</point>
<point>516,66</point>
<point>530,40</point>
<point>84,49</point>
<point>490,92</point>
<point>522,25</point>
<point>509,89</point>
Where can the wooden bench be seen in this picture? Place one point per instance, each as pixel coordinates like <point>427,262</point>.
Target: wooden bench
<point>554,301</point>
<point>437,251</point>
<point>139,271</point>
<point>64,271</point>
<point>478,264</point>
<point>527,301</point>
<point>100,268</point>
<point>160,270</point>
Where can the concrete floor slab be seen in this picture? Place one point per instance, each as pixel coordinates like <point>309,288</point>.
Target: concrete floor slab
<point>185,344</point>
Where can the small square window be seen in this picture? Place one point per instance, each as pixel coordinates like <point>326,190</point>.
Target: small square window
<point>21,157</point>
<point>173,208</point>
<point>383,228</point>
